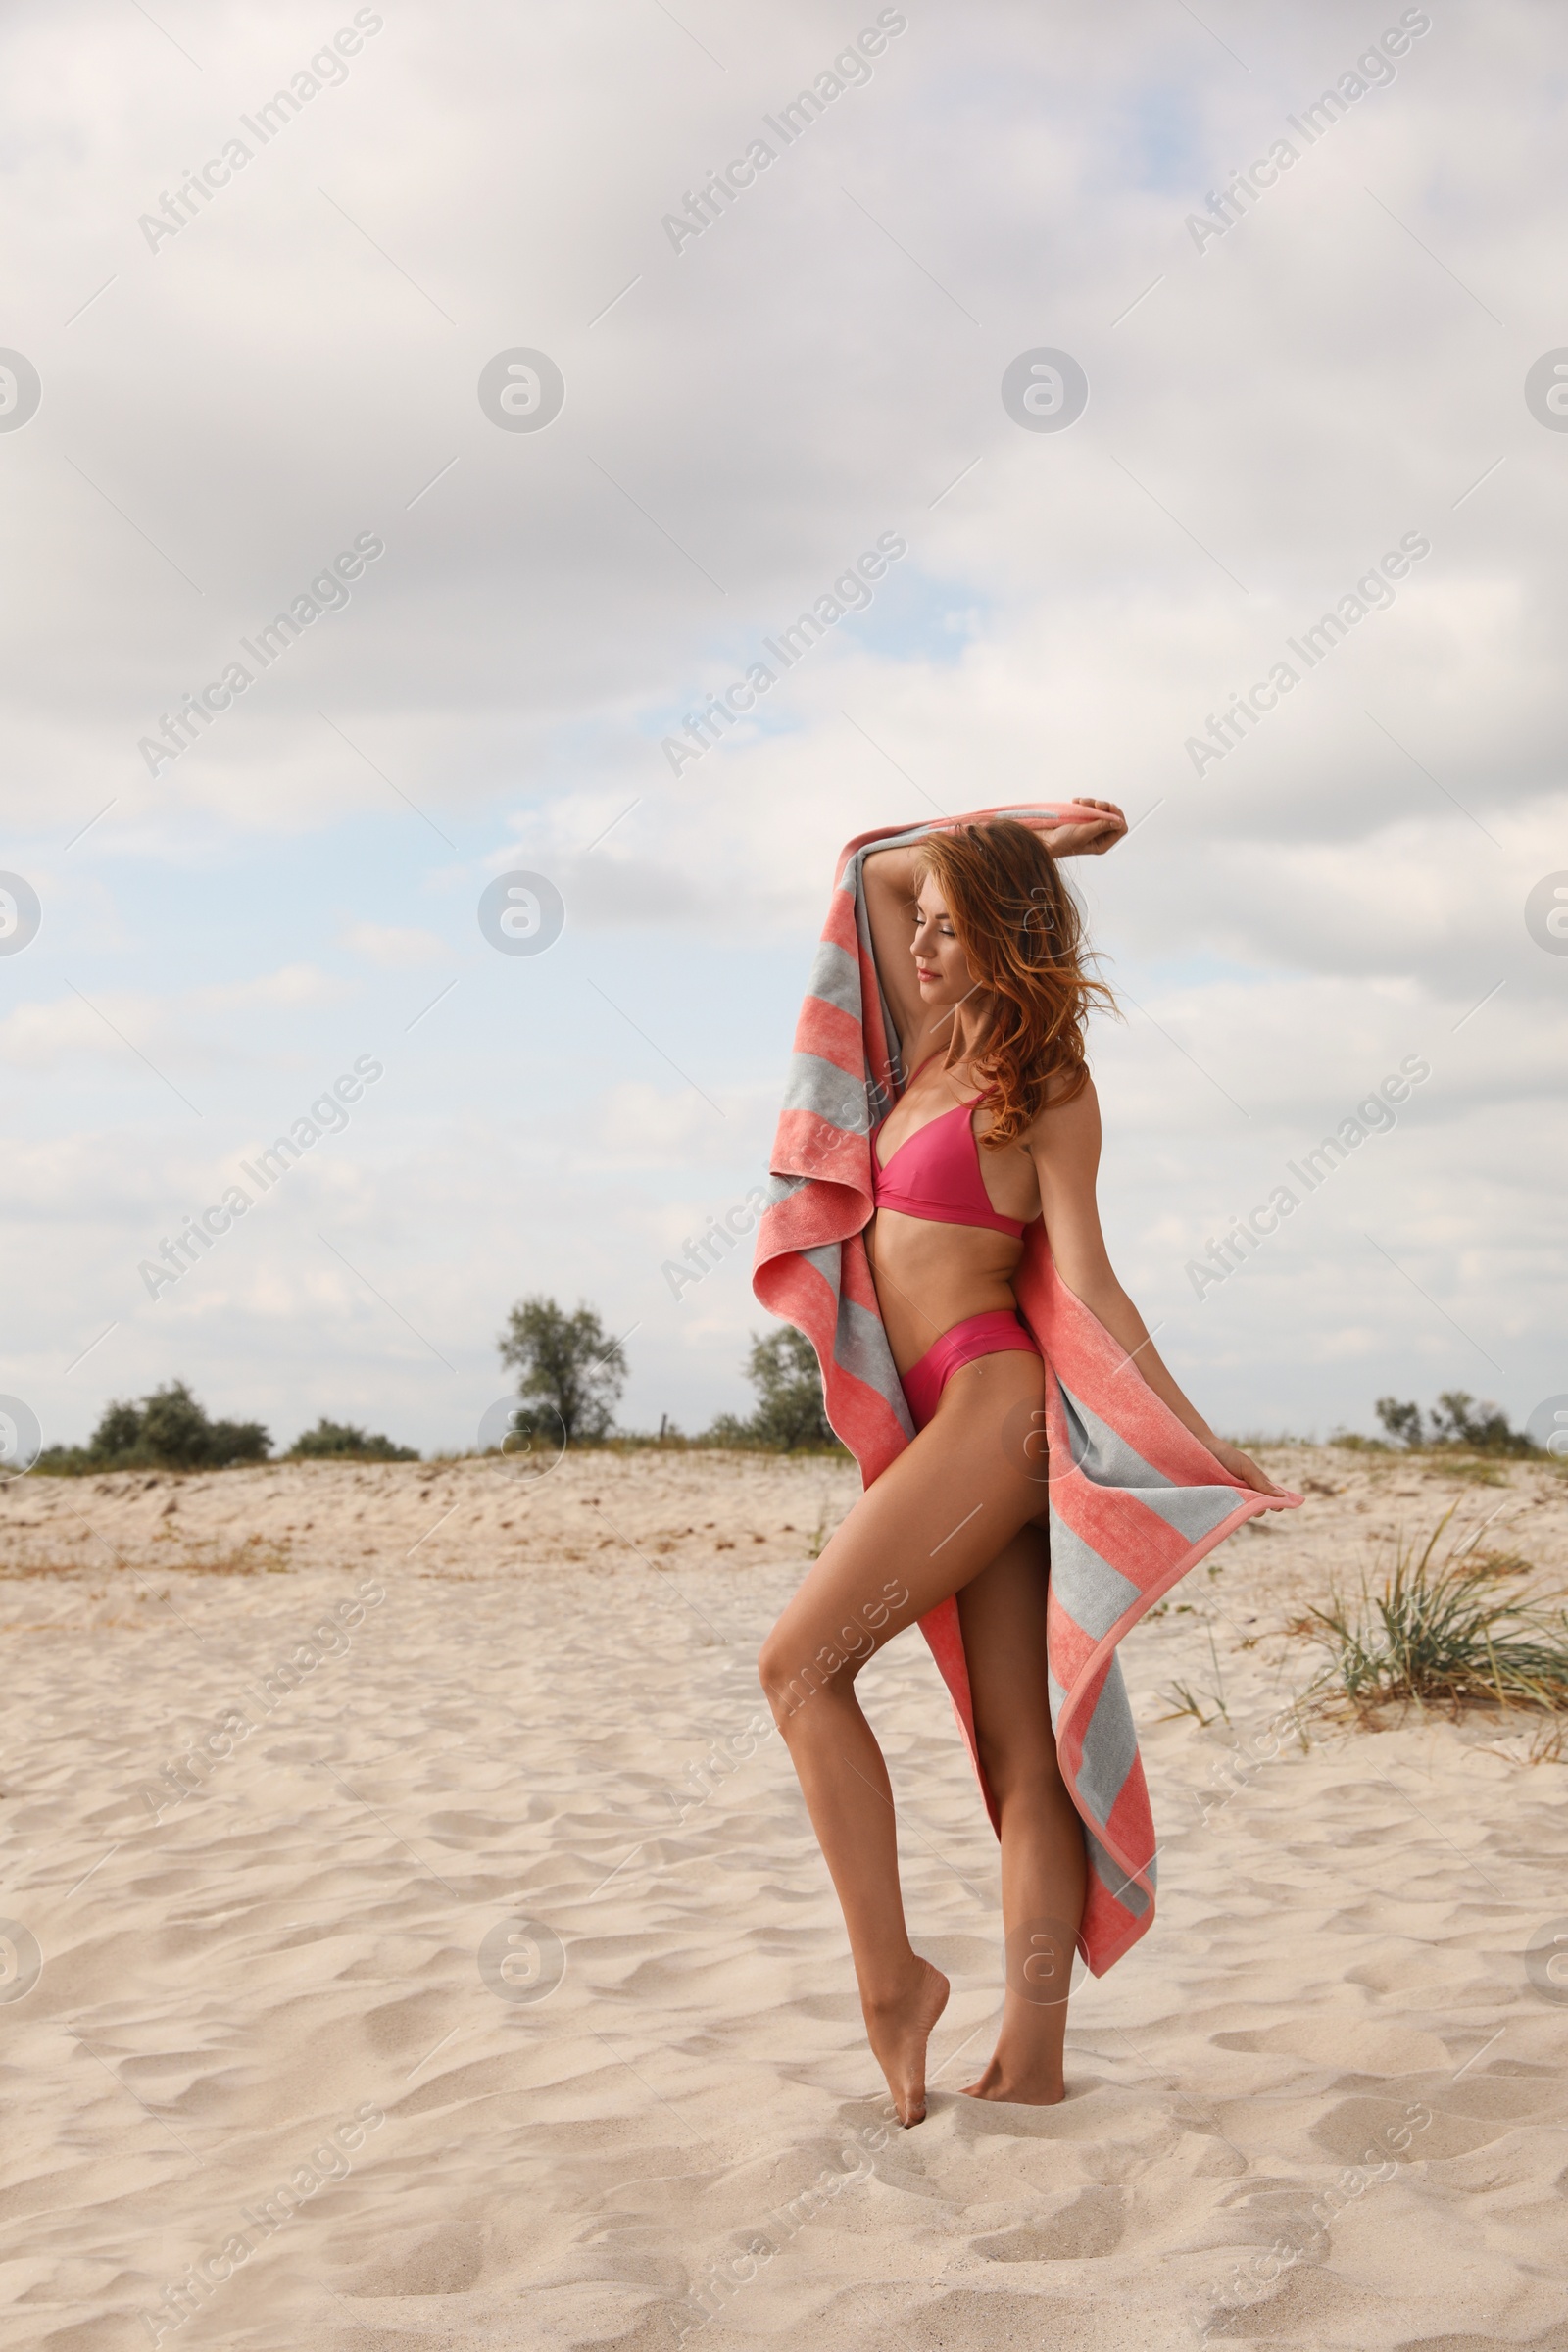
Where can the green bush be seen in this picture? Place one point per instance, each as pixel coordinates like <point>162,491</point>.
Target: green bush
<point>167,1431</point>
<point>340,1441</point>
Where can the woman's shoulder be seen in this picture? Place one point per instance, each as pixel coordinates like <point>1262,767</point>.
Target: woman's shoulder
<point>1070,1106</point>
<point>1069,1083</point>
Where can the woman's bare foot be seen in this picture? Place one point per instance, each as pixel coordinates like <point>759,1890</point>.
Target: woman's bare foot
<point>898,2030</point>
<point>1037,2086</point>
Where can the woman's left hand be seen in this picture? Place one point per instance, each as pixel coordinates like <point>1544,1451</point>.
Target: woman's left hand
<point>1241,1465</point>
<point>1086,841</point>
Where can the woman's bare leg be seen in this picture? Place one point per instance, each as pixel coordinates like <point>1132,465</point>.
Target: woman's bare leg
<point>1043,1863</point>
<point>935,1517</point>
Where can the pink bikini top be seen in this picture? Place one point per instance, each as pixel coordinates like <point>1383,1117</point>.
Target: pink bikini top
<point>935,1174</point>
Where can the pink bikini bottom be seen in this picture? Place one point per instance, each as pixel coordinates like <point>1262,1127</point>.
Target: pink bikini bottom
<point>998,1333</point>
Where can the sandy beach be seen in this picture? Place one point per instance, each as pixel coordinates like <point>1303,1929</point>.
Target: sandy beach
<point>408,1895</point>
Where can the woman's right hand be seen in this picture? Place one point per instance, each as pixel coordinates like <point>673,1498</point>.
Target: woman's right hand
<point>1085,840</point>
<point>1241,1465</point>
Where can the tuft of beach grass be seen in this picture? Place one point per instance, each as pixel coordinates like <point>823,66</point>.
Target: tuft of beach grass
<point>1441,1632</point>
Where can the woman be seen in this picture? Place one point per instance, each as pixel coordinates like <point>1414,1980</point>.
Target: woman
<point>979,955</point>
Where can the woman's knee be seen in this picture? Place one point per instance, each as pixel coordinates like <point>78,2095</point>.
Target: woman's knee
<point>772,1666</point>
<point>780,1668</point>
<point>793,1668</point>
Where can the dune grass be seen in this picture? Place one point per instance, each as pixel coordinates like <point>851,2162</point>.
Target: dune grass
<point>1440,1631</point>
<point>256,1556</point>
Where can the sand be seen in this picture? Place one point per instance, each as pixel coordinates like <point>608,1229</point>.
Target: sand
<point>484,1987</point>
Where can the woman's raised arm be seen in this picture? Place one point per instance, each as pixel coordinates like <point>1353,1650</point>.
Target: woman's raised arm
<point>889,878</point>
<point>890,888</point>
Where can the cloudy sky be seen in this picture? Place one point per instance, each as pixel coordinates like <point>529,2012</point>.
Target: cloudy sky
<point>240,381</point>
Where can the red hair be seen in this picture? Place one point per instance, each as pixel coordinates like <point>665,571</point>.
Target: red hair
<point>1020,929</point>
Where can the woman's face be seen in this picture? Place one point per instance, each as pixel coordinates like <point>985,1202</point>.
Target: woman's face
<point>941,965</point>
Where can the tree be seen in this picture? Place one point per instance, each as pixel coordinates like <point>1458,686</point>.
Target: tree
<point>1486,1432</point>
<point>790,1409</point>
<point>569,1372</point>
<point>1489,1431</point>
<point>230,1442</point>
<point>1402,1421</point>
<point>170,1430</point>
<point>117,1432</point>
<point>174,1428</point>
<point>340,1441</point>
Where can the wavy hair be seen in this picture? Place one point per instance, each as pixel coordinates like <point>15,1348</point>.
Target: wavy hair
<point>1020,929</point>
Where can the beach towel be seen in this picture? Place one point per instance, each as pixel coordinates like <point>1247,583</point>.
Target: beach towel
<point>1134,1499</point>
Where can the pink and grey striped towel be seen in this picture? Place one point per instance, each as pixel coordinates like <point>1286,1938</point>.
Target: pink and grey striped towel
<point>1134,1499</point>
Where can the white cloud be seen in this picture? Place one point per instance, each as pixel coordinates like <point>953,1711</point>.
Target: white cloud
<point>116,1024</point>
<point>820,365</point>
<point>393,948</point>
<point>296,984</point>
<point>641,1126</point>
